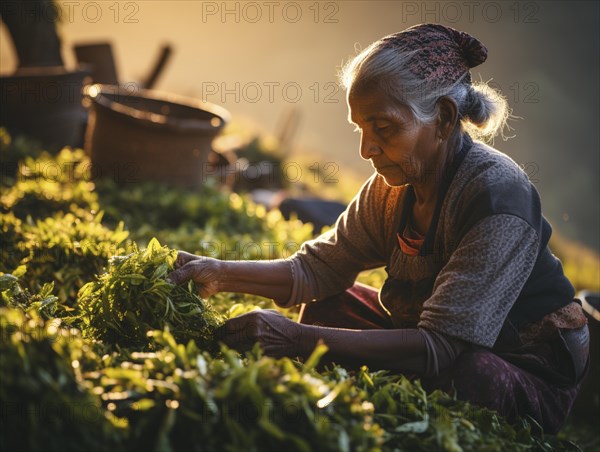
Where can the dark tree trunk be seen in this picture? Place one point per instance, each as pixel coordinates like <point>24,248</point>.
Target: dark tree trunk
<point>32,26</point>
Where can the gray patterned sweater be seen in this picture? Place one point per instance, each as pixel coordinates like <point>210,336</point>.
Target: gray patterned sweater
<point>485,266</point>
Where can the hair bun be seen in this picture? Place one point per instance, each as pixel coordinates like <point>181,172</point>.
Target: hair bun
<point>472,49</point>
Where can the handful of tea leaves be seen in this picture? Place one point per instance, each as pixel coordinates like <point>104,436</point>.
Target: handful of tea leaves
<point>134,297</point>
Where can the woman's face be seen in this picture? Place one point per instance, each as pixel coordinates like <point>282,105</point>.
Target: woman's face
<point>400,149</point>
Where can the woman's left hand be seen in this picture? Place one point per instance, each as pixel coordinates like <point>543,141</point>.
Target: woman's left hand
<point>277,335</point>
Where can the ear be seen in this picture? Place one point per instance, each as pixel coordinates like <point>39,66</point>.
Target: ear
<point>447,117</point>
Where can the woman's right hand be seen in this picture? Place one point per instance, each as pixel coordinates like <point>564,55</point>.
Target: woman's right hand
<point>270,279</point>
<point>204,271</point>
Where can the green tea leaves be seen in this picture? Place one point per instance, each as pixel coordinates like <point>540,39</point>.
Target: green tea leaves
<point>134,297</point>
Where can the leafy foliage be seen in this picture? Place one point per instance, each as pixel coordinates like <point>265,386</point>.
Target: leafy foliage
<point>415,420</point>
<point>61,248</point>
<point>49,184</point>
<point>100,352</point>
<point>14,296</point>
<point>165,207</point>
<point>11,252</point>
<point>179,398</point>
<point>134,297</point>
<point>44,405</point>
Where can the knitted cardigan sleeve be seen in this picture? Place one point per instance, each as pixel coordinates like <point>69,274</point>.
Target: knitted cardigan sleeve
<point>330,263</point>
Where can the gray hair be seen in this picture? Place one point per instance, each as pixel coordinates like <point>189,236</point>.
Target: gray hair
<point>483,110</point>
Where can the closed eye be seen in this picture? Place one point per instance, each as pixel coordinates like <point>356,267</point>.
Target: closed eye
<point>386,129</point>
<point>381,124</point>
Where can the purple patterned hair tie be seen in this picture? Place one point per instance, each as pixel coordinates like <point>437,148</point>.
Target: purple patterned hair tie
<point>442,54</point>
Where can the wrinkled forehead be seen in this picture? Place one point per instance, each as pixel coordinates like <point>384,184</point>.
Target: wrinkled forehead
<point>371,101</point>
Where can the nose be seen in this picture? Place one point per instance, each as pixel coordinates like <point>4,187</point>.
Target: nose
<point>368,147</point>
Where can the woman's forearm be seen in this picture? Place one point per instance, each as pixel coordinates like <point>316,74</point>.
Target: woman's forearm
<point>270,279</point>
<point>378,349</point>
<point>407,350</point>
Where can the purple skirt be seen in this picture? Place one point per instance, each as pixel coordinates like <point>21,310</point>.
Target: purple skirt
<point>538,381</point>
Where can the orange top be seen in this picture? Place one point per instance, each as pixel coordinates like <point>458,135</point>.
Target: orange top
<point>410,241</point>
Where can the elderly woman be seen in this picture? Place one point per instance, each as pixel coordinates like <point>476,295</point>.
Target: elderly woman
<point>474,301</point>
